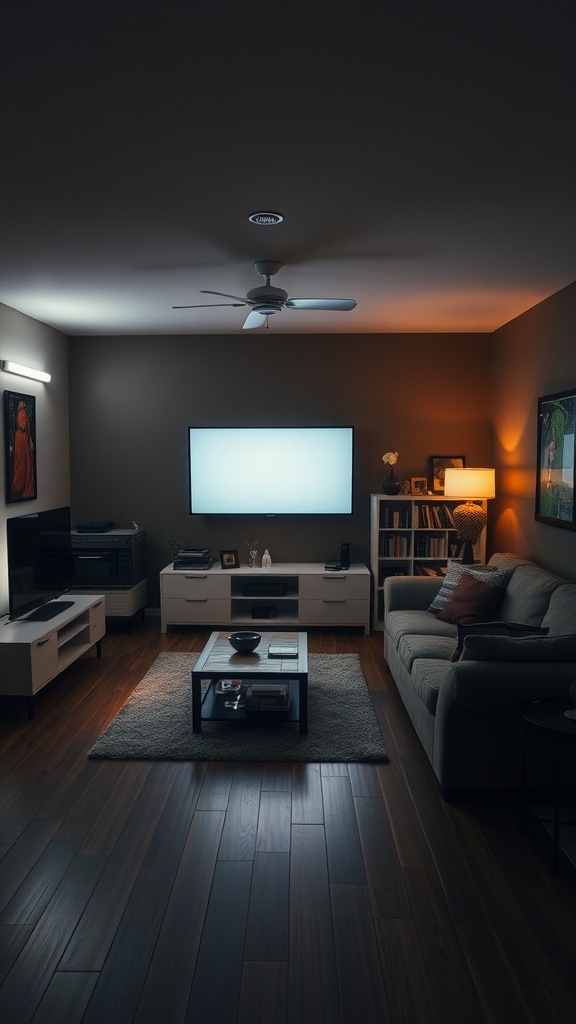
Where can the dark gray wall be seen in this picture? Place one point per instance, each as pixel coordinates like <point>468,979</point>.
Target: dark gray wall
<point>534,355</point>
<point>131,400</point>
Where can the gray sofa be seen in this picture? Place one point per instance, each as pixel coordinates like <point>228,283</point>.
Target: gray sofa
<point>466,712</point>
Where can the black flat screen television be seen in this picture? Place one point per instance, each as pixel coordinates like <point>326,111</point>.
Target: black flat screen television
<point>39,559</point>
<point>271,470</point>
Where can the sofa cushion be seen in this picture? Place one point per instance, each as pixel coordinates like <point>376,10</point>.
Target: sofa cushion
<point>414,645</point>
<point>493,629</point>
<point>472,600</point>
<point>455,572</point>
<point>427,677</point>
<point>528,594</point>
<point>530,648</point>
<point>561,614</point>
<point>400,622</point>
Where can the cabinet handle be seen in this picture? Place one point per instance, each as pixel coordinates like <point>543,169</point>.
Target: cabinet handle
<point>334,600</point>
<point>42,642</point>
<point>334,578</point>
<point>196,600</point>
<point>204,577</point>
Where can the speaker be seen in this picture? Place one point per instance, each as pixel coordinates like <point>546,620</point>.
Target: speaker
<point>345,556</point>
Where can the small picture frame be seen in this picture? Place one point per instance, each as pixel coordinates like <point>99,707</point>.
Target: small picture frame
<point>419,484</point>
<point>440,463</point>
<point>229,560</point>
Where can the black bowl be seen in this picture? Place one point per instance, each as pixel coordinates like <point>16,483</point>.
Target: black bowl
<point>244,641</point>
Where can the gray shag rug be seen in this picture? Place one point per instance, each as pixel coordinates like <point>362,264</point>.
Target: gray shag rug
<point>155,723</point>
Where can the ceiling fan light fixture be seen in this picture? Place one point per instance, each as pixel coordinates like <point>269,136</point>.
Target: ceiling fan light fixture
<point>265,309</point>
<point>265,218</point>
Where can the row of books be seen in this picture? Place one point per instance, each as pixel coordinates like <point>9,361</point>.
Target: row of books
<point>394,545</point>
<point>434,517</point>
<point>430,547</point>
<point>394,518</point>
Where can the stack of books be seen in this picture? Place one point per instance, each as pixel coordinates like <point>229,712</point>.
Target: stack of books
<point>283,649</point>
<point>267,697</point>
<point>194,558</point>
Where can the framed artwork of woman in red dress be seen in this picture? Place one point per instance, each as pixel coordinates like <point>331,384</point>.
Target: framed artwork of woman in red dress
<point>20,445</point>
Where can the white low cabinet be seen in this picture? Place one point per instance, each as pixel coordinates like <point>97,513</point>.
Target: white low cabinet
<point>33,653</point>
<point>286,595</point>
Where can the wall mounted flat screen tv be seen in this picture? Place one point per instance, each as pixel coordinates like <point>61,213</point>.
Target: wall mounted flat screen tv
<point>39,559</point>
<point>271,470</point>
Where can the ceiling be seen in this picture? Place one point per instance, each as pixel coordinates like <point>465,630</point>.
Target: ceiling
<point>422,155</point>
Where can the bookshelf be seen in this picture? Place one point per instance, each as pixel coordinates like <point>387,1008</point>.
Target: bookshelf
<point>411,536</point>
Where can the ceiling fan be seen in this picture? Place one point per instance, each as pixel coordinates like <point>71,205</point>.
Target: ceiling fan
<point>267,300</point>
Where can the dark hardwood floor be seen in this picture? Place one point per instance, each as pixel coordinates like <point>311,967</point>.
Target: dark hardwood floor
<point>221,893</point>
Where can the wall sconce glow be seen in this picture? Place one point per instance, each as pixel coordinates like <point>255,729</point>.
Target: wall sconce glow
<point>24,371</point>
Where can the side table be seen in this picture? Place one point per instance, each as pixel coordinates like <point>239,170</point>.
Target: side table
<point>546,717</point>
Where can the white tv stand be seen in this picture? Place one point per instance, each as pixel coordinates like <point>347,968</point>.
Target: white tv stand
<point>287,595</point>
<point>33,653</point>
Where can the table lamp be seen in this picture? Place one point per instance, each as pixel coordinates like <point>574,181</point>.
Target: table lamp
<point>469,518</point>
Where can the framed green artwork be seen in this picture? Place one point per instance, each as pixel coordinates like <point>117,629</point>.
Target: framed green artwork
<point>555,469</point>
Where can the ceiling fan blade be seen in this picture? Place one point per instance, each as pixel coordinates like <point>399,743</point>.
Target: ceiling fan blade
<point>254,319</point>
<point>341,304</point>
<point>226,295</point>
<point>210,305</point>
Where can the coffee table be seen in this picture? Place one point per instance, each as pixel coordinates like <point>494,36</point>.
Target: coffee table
<point>219,660</point>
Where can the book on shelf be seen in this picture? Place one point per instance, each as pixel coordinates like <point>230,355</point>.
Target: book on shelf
<point>432,517</point>
<point>394,545</point>
<point>395,518</point>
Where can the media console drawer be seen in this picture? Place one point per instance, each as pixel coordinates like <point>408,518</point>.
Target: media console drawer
<point>332,612</point>
<point>182,611</point>
<point>335,586</point>
<point>181,584</point>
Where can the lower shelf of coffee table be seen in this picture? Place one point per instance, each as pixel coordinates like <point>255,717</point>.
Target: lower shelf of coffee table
<point>214,710</point>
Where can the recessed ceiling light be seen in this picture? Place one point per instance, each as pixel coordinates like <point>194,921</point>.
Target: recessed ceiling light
<point>265,218</point>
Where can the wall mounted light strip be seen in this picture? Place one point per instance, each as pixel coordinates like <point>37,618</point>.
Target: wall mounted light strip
<point>24,371</point>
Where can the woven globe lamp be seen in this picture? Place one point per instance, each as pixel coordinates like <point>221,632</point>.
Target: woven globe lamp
<point>472,485</point>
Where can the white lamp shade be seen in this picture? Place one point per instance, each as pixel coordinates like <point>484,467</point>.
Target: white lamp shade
<point>469,483</point>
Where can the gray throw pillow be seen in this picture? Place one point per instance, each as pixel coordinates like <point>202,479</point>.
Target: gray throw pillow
<point>530,648</point>
<point>455,572</point>
<point>494,629</point>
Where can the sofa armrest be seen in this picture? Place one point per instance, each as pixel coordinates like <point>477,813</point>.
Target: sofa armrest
<point>410,592</point>
<point>502,684</point>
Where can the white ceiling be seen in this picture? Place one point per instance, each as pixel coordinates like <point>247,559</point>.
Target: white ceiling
<point>422,154</point>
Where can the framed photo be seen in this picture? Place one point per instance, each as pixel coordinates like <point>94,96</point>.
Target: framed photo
<point>20,446</point>
<point>556,450</point>
<point>419,485</point>
<point>229,560</point>
<point>440,463</point>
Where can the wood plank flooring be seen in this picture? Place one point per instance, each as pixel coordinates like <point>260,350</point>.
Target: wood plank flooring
<point>222,893</point>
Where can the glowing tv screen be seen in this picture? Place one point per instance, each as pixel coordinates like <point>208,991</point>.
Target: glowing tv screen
<point>271,470</point>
